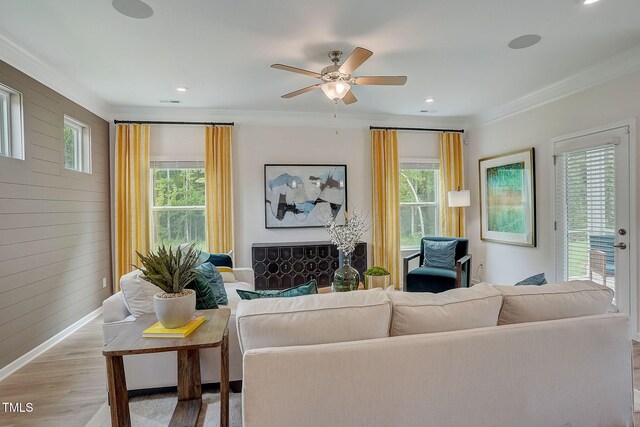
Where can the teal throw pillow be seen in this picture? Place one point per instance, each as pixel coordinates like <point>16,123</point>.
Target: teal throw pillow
<point>212,277</point>
<point>537,279</point>
<point>296,291</point>
<point>439,254</point>
<point>205,298</point>
<point>221,260</point>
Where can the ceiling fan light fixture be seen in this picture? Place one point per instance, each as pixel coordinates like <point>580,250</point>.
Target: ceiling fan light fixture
<point>335,90</point>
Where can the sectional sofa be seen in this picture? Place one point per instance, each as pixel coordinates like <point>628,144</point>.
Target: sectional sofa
<point>481,356</point>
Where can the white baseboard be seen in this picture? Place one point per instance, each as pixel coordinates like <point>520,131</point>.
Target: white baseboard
<point>32,354</point>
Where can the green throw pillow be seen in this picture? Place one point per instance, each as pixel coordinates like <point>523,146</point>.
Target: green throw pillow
<point>296,291</point>
<point>205,298</point>
<point>212,277</point>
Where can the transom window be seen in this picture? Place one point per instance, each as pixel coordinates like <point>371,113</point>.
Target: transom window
<point>77,145</point>
<point>178,201</point>
<point>419,201</point>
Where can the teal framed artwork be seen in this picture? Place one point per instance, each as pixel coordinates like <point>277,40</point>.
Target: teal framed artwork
<point>508,198</point>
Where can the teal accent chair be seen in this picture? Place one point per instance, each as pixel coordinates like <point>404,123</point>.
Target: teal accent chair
<point>429,279</point>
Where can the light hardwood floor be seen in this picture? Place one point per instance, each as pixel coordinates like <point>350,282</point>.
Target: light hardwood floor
<point>67,384</point>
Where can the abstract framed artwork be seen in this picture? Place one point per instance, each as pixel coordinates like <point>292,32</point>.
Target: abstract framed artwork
<point>304,196</point>
<point>507,198</point>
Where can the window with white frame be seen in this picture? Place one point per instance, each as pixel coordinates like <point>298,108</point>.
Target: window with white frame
<point>178,200</point>
<point>419,201</point>
<point>11,129</point>
<point>77,145</point>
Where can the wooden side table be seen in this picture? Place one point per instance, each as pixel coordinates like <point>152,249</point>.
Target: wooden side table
<point>212,333</point>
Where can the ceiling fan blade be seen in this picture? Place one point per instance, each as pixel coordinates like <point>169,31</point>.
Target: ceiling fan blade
<point>301,91</point>
<point>295,70</point>
<point>357,57</point>
<point>349,98</point>
<point>381,80</point>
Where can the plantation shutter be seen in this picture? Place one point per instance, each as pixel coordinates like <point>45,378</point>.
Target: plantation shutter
<point>585,210</point>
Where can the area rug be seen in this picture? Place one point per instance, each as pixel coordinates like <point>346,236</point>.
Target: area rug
<point>156,410</point>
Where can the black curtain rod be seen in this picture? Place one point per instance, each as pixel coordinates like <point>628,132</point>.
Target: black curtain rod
<point>150,122</point>
<point>418,129</point>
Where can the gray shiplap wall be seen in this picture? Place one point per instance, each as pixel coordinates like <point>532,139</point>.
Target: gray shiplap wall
<point>54,223</point>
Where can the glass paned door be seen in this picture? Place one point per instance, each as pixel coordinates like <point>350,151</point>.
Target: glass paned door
<point>592,211</point>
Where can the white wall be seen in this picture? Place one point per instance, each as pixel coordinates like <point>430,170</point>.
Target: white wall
<point>256,145</point>
<point>604,104</point>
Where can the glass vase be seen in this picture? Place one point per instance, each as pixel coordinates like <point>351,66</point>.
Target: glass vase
<point>346,278</point>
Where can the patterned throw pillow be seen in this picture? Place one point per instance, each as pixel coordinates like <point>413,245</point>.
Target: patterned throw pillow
<point>212,277</point>
<point>296,291</point>
<point>205,298</point>
<point>440,254</point>
<point>537,279</point>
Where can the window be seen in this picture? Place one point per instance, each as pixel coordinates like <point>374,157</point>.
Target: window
<point>178,203</point>
<point>419,201</point>
<point>77,145</point>
<point>11,129</point>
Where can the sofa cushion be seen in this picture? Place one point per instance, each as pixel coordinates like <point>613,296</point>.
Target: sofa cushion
<point>439,254</point>
<point>296,291</point>
<point>138,293</point>
<point>463,308</point>
<point>433,272</point>
<point>313,319</point>
<point>531,303</point>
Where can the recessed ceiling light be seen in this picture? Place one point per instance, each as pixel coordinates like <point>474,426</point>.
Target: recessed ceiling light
<point>525,41</point>
<point>133,8</point>
<point>588,1</point>
<point>429,100</point>
<point>182,88</point>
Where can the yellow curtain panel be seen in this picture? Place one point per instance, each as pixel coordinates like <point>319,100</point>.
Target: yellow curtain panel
<point>131,196</point>
<point>451,179</point>
<point>386,202</point>
<point>218,189</point>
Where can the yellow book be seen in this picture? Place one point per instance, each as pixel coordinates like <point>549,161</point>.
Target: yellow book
<point>159,331</point>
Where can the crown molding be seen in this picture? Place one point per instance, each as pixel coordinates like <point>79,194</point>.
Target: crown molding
<point>611,68</point>
<point>281,118</point>
<point>18,57</point>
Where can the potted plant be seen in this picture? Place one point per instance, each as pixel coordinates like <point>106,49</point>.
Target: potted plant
<point>171,271</point>
<point>376,277</point>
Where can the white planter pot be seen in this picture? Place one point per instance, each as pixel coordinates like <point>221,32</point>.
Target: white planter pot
<point>371,282</point>
<point>175,312</point>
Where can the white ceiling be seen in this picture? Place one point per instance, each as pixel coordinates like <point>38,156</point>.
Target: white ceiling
<point>453,50</point>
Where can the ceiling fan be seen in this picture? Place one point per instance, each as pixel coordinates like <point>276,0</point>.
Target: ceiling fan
<point>338,79</point>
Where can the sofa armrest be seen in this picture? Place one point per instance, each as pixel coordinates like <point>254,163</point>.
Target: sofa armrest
<point>245,275</point>
<point>113,308</point>
<point>405,268</point>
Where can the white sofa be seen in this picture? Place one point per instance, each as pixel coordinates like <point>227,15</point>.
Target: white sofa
<point>150,371</point>
<point>375,358</point>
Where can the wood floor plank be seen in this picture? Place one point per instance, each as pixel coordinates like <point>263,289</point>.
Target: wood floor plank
<point>66,385</point>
